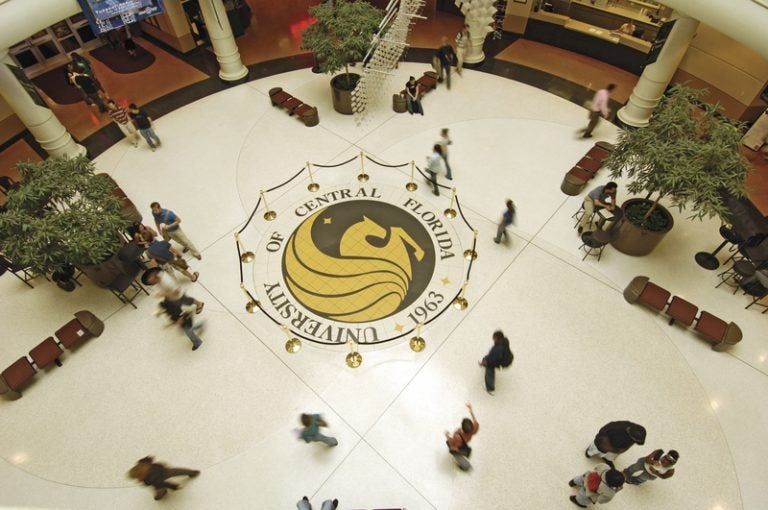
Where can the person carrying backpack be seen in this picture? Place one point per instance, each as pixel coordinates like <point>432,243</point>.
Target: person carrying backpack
<point>598,485</point>
<point>500,356</point>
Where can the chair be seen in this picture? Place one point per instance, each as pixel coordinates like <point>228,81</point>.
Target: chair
<point>580,173</point>
<point>682,311</point>
<point>756,290</point>
<point>121,284</point>
<point>45,353</point>
<point>740,271</point>
<point>647,292</point>
<point>18,374</point>
<point>590,165</point>
<point>594,242</point>
<point>717,331</point>
<point>598,153</point>
<point>7,265</point>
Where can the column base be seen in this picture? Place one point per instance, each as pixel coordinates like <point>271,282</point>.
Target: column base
<point>628,120</point>
<point>235,80</point>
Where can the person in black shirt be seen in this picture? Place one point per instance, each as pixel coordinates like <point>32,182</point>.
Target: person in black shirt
<point>447,58</point>
<point>143,123</point>
<point>413,96</point>
<point>155,474</point>
<point>495,359</point>
<point>90,90</point>
<point>615,438</point>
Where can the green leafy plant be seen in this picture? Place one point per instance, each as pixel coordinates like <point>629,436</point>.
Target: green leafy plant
<point>687,153</point>
<point>341,34</point>
<point>61,214</point>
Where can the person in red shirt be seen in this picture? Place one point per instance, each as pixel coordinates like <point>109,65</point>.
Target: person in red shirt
<point>458,443</point>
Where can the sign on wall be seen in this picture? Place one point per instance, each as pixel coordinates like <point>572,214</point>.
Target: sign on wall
<point>106,15</point>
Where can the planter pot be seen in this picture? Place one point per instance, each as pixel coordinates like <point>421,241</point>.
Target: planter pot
<point>342,98</point>
<point>631,239</point>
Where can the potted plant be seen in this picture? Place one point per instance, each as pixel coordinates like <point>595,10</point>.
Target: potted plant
<point>62,215</point>
<point>688,154</point>
<point>340,35</point>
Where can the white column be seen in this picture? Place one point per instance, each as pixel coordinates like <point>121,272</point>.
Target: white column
<point>40,121</point>
<point>231,68</point>
<point>478,15</point>
<point>656,77</point>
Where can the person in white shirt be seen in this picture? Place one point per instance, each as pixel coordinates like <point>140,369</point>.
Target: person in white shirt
<point>444,142</point>
<point>599,107</point>
<point>597,486</point>
<point>435,166</point>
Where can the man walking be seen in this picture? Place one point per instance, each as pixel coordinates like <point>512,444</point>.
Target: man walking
<point>311,432</point>
<point>599,107</point>
<point>123,121</point>
<point>435,166</point>
<point>90,90</point>
<point>615,438</point>
<point>500,356</point>
<point>144,125</point>
<point>167,223</point>
<point>506,220</point>
<point>599,485</point>
<point>154,474</point>
<point>163,253</point>
<point>447,58</point>
<point>458,443</point>
<point>444,142</point>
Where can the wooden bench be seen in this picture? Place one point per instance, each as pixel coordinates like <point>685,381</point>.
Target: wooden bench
<point>715,330</point>
<point>586,168</point>
<point>427,82</point>
<point>21,372</point>
<point>294,106</point>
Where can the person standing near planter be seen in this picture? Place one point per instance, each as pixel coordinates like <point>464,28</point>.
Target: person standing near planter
<point>599,107</point>
<point>601,197</point>
<point>435,166</point>
<point>447,58</point>
<point>167,223</point>
<point>413,96</point>
<point>143,123</point>
<point>462,40</point>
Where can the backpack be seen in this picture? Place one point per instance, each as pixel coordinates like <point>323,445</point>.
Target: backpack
<point>507,357</point>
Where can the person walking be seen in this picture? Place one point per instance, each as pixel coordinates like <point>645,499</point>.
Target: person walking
<point>311,431</point>
<point>444,142</point>
<point>163,253</point>
<point>462,41</point>
<point>500,356</point>
<point>507,218</point>
<point>601,197</point>
<point>599,107</point>
<point>167,223</point>
<point>169,288</point>
<point>328,504</point>
<point>655,465</point>
<point>435,166</point>
<point>155,474</point>
<point>614,439</point>
<point>181,315</point>
<point>447,58</point>
<point>143,123</point>
<point>458,443</point>
<point>90,90</point>
<point>596,486</point>
<point>123,121</point>
<point>413,96</point>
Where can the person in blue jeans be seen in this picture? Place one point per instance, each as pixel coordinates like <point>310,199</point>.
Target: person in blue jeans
<point>328,504</point>
<point>181,315</point>
<point>311,432</point>
<point>495,359</point>
<point>143,123</point>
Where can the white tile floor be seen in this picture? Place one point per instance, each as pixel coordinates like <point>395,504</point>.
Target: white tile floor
<point>583,355</point>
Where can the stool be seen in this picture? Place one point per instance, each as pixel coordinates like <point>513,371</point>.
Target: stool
<point>681,310</point>
<point>740,270</point>
<point>578,215</point>
<point>594,241</point>
<point>398,103</point>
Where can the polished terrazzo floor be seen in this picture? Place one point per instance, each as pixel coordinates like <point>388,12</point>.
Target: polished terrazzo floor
<point>583,355</point>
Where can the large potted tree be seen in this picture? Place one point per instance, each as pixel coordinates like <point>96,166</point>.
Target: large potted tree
<point>63,215</point>
<point>688,155</point>
<point>340,35</point>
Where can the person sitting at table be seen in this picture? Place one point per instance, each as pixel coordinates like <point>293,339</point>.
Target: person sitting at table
<point>627,28</point>
<point>602,197</point>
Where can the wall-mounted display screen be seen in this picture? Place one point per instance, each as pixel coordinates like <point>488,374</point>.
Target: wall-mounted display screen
<point>106,15</point>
